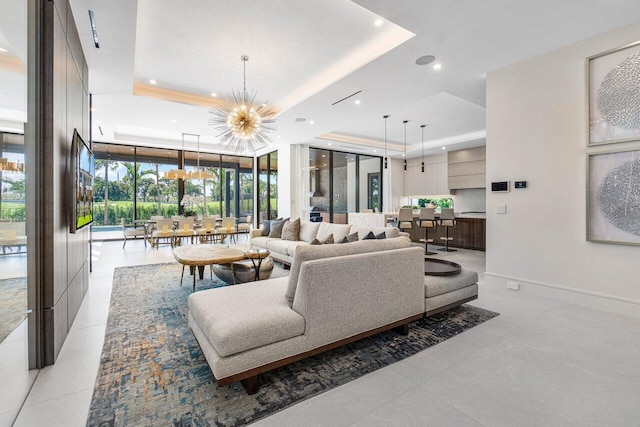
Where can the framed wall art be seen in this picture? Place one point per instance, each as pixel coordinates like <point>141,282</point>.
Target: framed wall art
<point>614,95</point>
<point>613,197</point>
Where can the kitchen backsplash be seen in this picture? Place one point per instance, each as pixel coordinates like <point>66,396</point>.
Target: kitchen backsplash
<point>470,200</point>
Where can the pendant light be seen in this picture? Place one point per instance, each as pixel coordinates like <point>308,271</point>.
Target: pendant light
<point>177,173</point>
<point>199,174</point>
<point>405,144</point>
<point>422,126</point>
<point>385,140</point>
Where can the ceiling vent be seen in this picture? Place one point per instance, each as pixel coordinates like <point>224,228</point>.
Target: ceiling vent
<point>346,97</point>
<point>92,20</point>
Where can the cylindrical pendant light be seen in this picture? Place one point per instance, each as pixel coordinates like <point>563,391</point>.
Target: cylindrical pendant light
<point>405,144</point>
<point>385,140</point>
<point>422,126</point>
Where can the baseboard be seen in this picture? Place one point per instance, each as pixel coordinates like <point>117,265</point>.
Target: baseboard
<point>594,300</point>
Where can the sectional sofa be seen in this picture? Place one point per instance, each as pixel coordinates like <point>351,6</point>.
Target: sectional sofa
<point>334,294</point>
<point>283,250</point>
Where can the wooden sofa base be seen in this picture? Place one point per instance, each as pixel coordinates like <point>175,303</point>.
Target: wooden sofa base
<point>449,306</point>
<point>249,379</point>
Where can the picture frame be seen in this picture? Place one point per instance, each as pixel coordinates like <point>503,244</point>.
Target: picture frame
<point>612,116</point>
<point>613,197</point>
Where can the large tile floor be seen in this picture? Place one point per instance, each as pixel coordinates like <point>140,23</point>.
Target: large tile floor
<point>540,362</point>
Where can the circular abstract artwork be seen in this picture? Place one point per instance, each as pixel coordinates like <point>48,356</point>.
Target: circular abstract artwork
<point>619,94</point>
<point>619,197</point>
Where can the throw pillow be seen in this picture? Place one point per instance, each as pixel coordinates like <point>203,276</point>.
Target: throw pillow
<point>291,230</point>
<point>382,235</point>
<point>276,228</point>
<point>345,239</point>
<point>369,236</point>
<point>265,228</point>
<point>315,242</point>
<point>328,240</point>
<point>353,237</point>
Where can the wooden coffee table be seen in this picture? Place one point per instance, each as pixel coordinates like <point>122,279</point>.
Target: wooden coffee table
<point>202,255</point>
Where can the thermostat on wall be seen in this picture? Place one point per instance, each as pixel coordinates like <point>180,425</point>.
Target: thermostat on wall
<point>500,187</point>
<point>521,184</point>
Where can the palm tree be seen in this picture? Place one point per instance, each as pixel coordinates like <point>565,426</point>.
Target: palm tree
<point>106,164</point>
<point>134,174</point>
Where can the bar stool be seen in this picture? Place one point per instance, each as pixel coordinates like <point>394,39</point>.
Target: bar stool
<point>427,220</point>
<point>447,220</point>
<point>405,219</point>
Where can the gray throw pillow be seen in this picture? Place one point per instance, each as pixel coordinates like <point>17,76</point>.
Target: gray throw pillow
<point>353,237</point>
<point>276,227</point>
<point>265,228</point>
<point>345,239</point>
<point>291,230</point>
<point>369,236</point>
<point>315,242</point>
<point>382,235</point>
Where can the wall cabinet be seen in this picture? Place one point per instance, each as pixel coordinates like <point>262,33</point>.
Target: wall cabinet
<point>433,181</point>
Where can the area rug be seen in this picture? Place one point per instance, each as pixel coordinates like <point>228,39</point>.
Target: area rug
<point>153,373</point>
<point>13,304</point>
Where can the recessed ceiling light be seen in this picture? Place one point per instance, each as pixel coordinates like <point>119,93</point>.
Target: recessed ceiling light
<point>152,82</point>
<point>357,102</point>
<point>425,60</point>
<point>300,119</point>
<point>437,66</point>
<point>3,50</point>
<point>98,121</point>
<point>278,136</point>
<point>375,151</point>
<point>311,122</point>
<point>214,94</point>
<point>378,22</point>
<point>172,120</point>
<point>328,143</point>
<point>444,148</point>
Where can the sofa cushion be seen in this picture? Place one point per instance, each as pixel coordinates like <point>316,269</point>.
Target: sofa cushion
<point>353,237</point>
<point>264,231</point>
<point>307,253</point>
<point>280,246</point>
<point>261,241</point>
<point>438,285</point>
<point>291,230</point>
<point>308,230</point>
<point>242,317</point>
<point>276,227</point>
<point>338,231</point>
<point>370,236</point>
<point>390,232</point>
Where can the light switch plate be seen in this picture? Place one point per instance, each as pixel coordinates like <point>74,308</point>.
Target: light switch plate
<point>501,209</point>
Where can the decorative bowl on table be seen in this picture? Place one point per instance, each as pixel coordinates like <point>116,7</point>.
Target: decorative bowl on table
<point>244,271</point>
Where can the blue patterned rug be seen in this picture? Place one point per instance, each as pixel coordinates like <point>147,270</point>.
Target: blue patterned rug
<point>152,372</point>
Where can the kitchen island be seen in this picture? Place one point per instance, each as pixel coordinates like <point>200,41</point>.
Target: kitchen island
<point>469,232</point>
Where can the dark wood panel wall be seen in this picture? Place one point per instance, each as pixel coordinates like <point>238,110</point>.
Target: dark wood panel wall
<point>63,257</point>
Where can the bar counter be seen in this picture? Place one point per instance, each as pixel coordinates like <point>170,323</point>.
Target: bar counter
<point>469,232</point>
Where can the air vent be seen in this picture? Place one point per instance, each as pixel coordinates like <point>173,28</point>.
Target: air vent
<point>92,20</point>
<point>346,97</point>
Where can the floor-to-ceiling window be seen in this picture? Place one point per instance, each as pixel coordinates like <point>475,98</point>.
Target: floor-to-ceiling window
<point>268,186</point>
<point>343,182</point>
<point>131,183</point>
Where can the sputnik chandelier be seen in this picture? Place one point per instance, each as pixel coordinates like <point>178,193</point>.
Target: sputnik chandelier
<point>244,127</point>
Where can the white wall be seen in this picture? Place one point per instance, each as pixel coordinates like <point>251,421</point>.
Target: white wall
<point>287,164</point>
<point>536,131</point>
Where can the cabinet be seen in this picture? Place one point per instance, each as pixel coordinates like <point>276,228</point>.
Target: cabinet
<point>433,181</point>
<point>469,233</point>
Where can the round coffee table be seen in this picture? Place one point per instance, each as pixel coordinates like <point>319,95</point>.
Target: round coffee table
<point>440,267</point>
<point>202,255</point>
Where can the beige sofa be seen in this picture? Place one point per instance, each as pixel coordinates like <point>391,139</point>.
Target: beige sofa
<point>283,250</point>
<point>251,328</point>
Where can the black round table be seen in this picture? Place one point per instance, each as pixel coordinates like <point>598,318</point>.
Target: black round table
<point>439,267</point>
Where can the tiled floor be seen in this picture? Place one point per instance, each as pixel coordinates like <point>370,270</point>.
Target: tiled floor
<point>540,362</point>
